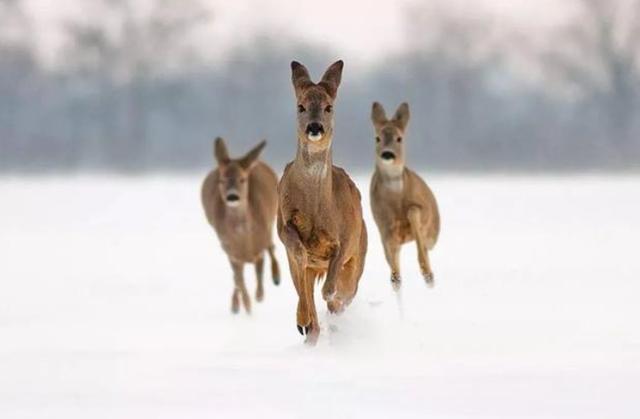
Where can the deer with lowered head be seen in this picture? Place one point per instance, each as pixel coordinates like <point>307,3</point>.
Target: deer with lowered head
<point>240,201</point>
<point>319,213</point>
<point>403,206</point>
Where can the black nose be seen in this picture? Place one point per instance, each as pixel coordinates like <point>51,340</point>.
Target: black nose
<point>232,197</point>
<point>315,128</point>
<point>388,155</point>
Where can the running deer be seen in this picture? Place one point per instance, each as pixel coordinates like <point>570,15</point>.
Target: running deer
<point>240,201</point>
<point>320,216</point>
<point>403,206</point>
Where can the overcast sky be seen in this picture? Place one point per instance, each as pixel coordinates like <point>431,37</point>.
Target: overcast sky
<point>360,29</point>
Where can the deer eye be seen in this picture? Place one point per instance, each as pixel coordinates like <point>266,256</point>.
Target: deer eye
<point>328,109</point>
<point>301,109</point>
<point>399,139</point>
<point>377,139</point>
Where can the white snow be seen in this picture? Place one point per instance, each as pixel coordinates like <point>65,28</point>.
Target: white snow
<point>115,303</point>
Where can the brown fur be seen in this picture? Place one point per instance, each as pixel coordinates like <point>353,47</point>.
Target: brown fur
<point>244,230</point>
<point>320,216</point>
<point>403,206</point>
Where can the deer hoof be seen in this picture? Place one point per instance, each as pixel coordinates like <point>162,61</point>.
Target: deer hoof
<point>396,282</point>
<point>335,306</point>
<point>329,291</point>
<point>312,336</point>
<point>303,330</point>
<point>276,280</point>
<point>235,305</point>
<point>428,279</point>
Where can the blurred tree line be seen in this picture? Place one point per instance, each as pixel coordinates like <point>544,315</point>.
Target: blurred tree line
<point>131,93</point>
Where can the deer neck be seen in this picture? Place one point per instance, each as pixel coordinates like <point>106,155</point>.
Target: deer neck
<point>391,176</point>
<point>238,216</point>
<point>314,168</point>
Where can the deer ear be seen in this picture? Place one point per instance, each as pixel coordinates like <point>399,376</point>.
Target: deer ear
<point>251,157</point>
<point>401,118</point>
<point>378,115</point>
<point>299,76</point>
<point>220,151</point>
<point>332,77</point>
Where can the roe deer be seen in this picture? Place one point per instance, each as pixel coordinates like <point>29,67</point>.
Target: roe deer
<point>320,216</point>
<point>240,201</point>
<point>403,206</point>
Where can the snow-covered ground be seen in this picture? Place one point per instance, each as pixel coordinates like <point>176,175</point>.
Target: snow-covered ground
<point>114,303</point>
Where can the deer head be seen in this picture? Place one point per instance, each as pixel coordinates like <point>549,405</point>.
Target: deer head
<point>315,104</point>
<point>233,182</point>
<point>390,135</point>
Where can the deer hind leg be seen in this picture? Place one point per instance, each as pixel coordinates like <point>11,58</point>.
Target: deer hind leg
<point>238,278</point>
<point>259,275</point>
<point>392,253</point>
<point>419,233</point>
<point>275,269</point>
<point>235,301</point>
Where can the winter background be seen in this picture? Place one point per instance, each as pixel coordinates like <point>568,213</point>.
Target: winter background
<point>114,292</point>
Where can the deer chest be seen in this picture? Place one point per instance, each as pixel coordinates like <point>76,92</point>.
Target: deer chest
<point>315,235</point>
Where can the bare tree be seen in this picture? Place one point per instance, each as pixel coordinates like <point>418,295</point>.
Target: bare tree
<point>17,64</point>
<point>122,59</point>
<point>597,56</point>
<point>453,56</point>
